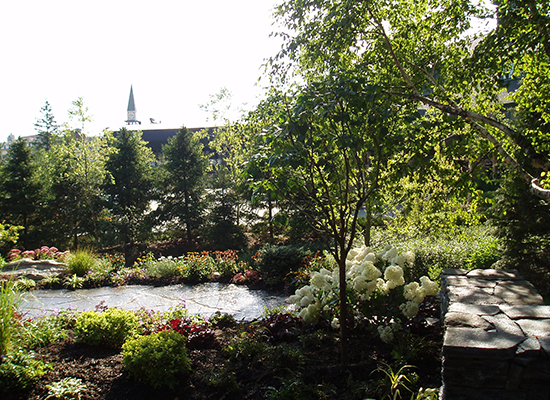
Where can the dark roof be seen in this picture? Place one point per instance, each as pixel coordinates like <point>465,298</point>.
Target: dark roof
<point>158,137</point>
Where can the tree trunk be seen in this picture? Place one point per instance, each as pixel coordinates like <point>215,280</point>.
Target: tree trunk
<point>270,218</point>
<point>368,225</point>
<point>344,319</point>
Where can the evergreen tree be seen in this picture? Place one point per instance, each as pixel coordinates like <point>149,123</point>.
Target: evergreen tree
<point>184,173</point>
<point>46,127</point>
<point>21,191</point>
<point>128,187</point>
<point>222,230</point>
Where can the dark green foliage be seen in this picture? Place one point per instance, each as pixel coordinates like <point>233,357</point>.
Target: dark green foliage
<point>276,262</point>
<point>46,127</point>
<point>222,230</point>
<point>158,359</point>
<point>523,223</point>
<point>111,327</point>
<point>128,188</point>
<point>183,183</point>
<point>21,191</point>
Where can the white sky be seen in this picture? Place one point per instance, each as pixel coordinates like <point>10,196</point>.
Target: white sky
<point>175,53</point>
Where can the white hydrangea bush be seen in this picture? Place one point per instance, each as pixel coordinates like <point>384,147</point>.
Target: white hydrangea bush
<point>377,291</point>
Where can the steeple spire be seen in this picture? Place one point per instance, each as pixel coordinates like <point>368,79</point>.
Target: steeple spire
<point>131,104</point>
<point>132,109</point>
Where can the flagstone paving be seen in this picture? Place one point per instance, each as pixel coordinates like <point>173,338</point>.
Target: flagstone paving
<point>202,299</point>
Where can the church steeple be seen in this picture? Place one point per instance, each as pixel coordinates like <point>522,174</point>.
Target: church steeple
<point>132,109</point>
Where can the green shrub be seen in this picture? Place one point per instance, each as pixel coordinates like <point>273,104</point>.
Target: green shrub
<point>276,262</point>
<point>81,262</point>
<point>111,327</point>
<point>470,247</point>
<point>100,271</point>
<point>159,359</point>
<point>19,370</point>
<point>197,267</point>
<point>162,268</point>
<point>245,350</point>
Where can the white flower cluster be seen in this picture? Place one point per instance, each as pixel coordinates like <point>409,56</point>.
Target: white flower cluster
<point>363,276</point>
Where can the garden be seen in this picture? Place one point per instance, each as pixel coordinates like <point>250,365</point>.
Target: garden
<point>293,352</point>
<point>394,140</point>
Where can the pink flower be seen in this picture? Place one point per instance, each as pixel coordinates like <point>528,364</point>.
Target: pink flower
<point>28,254</point>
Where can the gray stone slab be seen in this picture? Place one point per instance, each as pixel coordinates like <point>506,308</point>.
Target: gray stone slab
<point>478,309</point>
<point>466,319</point>
<point>463,342</point>
<point>457,280</point>
<point>498,274</point>
<point>532,311</point>
<point>482,282</point>
<point>503,324</point>
<point>518,292</point>
<point>453,271</point>
<point>535,327</point>
<point>473,295</point>
<point>529,347</point>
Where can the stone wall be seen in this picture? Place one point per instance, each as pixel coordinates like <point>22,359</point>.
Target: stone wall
<point>497,337</point>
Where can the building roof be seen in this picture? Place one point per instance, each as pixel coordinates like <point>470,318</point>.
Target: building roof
<point>155,138</point>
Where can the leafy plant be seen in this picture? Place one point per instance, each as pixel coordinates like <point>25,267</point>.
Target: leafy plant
<point>158,359</point>
<point>9,300</point>
<point>74,282</point>
<point>111,327</point>
<point>245,350</point>
<point>41,331</point>
<point>67,388</point>
<point>19,370</point>
<point>398,381</point>
<point>50,281</point>
<point>24,284</point>
<point>101,271</point>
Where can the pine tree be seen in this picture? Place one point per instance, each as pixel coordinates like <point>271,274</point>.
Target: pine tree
<point>185,170</point>
<point>46,127</point>
<point>128,186</point>
<point>20,189</point>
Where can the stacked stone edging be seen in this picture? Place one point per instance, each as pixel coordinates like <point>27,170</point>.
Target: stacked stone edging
<point>497,337</point>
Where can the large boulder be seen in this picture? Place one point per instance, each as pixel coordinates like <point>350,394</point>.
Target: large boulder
<point>33,269</point>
